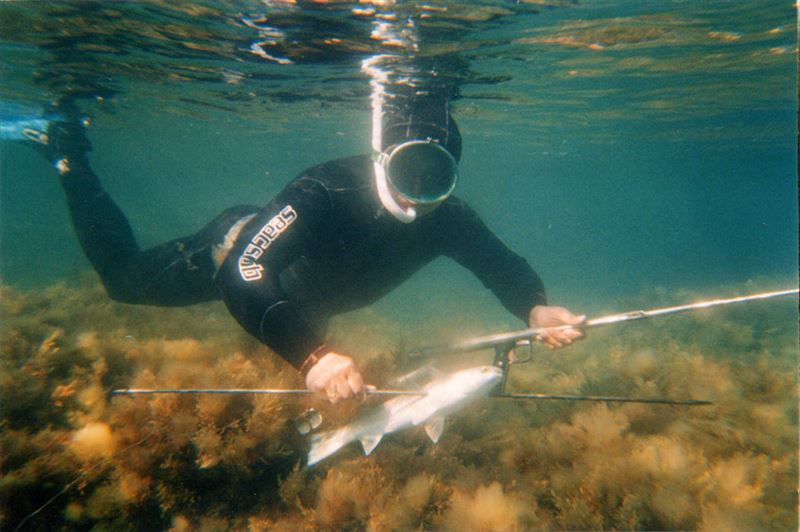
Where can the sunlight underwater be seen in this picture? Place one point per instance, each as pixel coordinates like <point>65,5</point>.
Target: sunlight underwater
<point>219,462</point>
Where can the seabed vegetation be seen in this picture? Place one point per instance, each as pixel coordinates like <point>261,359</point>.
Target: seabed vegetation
<point>73,457</point>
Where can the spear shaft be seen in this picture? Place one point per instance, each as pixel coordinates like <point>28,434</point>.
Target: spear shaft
<point>255,391</point>
<point>485,342</point>
<point>602,399</point>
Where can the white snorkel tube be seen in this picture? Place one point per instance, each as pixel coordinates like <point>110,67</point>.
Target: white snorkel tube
<point>378,80</point>
<point>413,167</point>
<point>404,214</point>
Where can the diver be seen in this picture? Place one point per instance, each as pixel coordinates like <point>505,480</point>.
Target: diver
<point>339,236</point>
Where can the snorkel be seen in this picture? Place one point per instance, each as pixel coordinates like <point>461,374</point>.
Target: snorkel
<point>415,143</point>
<point>404,214</point>
<point>379,78</point>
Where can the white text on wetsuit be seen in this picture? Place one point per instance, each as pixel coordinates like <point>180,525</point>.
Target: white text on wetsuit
<point>249,268</point>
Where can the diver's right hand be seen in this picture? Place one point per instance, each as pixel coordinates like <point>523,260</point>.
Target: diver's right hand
<point>335,377</point>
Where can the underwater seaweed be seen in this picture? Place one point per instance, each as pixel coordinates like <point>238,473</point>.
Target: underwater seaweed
<point>488,508</point>
<point>75,457</point>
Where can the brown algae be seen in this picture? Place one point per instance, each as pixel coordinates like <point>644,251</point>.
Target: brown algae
<point>73,457</point>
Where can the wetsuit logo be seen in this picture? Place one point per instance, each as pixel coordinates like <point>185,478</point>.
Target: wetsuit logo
<point>249,268</point>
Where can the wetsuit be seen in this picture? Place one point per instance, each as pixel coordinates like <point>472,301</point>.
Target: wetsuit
<point>322,246</point>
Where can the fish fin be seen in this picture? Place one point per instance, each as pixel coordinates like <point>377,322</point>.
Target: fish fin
<point>325,444</point>
<point>370,442</point>
<point>434,428</point>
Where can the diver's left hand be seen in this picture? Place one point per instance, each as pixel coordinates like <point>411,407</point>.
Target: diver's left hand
<point>553,319</point>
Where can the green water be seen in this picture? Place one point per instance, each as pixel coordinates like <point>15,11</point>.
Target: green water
<point>657,147</point>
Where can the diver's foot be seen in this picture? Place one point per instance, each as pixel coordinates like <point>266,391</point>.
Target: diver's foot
<point>21,123</point>
<point>35,135</point>
<point>58,133</point>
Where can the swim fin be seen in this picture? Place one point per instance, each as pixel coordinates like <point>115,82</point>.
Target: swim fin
<point>18,122</point>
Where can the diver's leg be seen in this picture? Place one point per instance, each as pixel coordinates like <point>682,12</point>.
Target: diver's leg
<point>180,272</point>
<point>100,226</point>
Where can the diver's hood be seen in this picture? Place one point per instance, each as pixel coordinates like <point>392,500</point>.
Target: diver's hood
<point>417,165</point>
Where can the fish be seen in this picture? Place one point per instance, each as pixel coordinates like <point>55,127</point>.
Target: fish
<point>445,394</point>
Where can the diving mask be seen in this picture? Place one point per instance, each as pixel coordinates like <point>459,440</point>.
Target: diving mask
<point>420,172</point>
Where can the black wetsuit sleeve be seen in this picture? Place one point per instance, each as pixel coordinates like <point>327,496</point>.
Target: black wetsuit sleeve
<point>249,281</point>
<point>509,276</point>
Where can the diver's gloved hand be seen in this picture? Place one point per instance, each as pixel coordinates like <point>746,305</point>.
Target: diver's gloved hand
<point>553,318</point>
<point>335,377</point>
